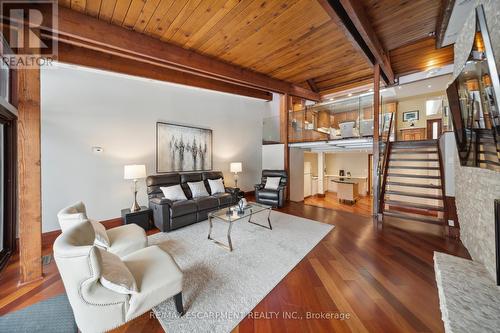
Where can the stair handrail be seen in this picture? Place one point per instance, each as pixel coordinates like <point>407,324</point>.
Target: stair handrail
<point>383,168</point>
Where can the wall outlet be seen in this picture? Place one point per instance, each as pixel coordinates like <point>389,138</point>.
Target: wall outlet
<point>451,223</point>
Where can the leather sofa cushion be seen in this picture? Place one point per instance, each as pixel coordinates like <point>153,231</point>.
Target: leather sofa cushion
<point>224,198</point>
<point>155,182</point>
<point>268,194</point>
<point>206,203</point>
<point>180,208</point>
<point>189,177</point>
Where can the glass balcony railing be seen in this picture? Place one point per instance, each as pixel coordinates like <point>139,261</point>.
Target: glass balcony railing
<point>333,120</point>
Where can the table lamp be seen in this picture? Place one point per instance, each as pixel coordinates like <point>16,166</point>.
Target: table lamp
<point>235,167</point>
<point>134,172</point>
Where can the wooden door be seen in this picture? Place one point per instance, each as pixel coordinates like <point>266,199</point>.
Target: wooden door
<point>434,128</point>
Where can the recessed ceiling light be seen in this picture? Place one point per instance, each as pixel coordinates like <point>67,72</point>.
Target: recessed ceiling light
<point>331,99</point>
<point>349,94</point>
<point>429,86</point>
<point>399,87</point>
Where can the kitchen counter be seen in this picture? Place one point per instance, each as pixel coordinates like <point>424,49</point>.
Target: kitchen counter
<point>345,181</point>
<point>351,177</point>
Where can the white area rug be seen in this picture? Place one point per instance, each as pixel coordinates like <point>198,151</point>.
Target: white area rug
<point>222,287</point>
<point>468,296</point>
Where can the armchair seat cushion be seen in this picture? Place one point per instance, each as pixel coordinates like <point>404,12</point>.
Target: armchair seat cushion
<point>126,239</point>
<point>206,203</point>
<point>157,277</point>
<point>268,194</point>
<point>224,198</point>
<point>180,208</point>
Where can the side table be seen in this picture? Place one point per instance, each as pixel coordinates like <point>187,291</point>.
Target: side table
<point>142,217</point>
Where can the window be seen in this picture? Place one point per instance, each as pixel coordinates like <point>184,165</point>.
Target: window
<point>433,107</point>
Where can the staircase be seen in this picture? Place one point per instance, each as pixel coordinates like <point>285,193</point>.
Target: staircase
<point>412,188</point>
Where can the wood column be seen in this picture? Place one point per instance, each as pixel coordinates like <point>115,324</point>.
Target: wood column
<point>29,175</point>
<point>285,104</point>
<point>376,138</point>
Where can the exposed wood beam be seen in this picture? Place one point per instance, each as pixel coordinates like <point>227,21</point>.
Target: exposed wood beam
<point>346,86</point>
<point>443,20</point>
<point>29,175</point>
<point>105,61</point>
<point>88,32</point>
<point>312,85</point>
<point>340,24</point>
<point>285,106</point>
<point>352,15</point>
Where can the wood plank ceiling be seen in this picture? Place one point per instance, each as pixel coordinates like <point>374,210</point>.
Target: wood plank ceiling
<point>406,29</point>
<point>290,40</point>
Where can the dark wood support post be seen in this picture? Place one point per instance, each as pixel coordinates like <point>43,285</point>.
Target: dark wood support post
<point>29,175</point>
<point>376,139</point>
<point>285,103</point>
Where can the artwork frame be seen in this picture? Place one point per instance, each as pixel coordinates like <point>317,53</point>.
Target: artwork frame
<point>409,116</point>
<point>174,152</point>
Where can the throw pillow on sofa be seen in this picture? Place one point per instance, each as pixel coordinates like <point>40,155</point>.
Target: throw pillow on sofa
<point>272,183</point>
<point>115,275</point>
<point>174,193</point>
<point>198,189</point>
<point>101,237</point>
<point>216,186</point>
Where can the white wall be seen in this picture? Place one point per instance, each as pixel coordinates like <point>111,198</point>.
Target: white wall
<point>448,152</point>
<point>83,108</point>
<point>355,163</point>
<point>296,174</point>
<point>273,157</point>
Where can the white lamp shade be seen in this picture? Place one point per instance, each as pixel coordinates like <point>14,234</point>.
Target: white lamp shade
<point>135,171</point>
<point>235,167</point>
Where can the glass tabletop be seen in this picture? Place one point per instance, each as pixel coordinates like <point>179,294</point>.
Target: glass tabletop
<point>231,214</point>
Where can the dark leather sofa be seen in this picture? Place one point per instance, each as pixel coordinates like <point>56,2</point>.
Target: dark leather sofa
<point>275,198</point>
<point>169,215</point>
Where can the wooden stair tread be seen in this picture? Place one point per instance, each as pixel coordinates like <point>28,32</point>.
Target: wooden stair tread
<point>414,185</point>
<point>414,159</point>
<point>415,195</point>
<point>416,143</point>
<point>412,167</point>
<point>402,175</point>
<point>414,217</point>
<point>412,152</point>
<point>413,205</point>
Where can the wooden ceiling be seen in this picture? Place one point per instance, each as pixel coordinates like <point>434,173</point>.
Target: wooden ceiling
<point>401,22</point>
<point>291,40</point>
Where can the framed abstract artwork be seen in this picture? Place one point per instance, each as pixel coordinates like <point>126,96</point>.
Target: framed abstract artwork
<point>182,148</point>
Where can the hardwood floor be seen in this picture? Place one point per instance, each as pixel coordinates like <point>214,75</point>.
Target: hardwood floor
<point>363,206</point>
<point>379,277</point>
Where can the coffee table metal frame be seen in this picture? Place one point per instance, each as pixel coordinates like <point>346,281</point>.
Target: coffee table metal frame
<point>249,211</point>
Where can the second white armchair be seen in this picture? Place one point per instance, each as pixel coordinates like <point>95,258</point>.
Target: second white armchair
<point>121,240</point>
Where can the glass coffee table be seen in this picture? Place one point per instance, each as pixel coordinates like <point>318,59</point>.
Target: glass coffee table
<point>231,215</point>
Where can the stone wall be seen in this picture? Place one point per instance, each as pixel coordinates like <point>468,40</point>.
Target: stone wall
<point>475,188</point>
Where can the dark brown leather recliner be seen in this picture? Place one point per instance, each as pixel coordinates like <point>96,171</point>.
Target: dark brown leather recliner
<point>275,198</point>
<point>169,215</point>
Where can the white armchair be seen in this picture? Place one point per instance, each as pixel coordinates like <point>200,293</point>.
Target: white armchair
<point>121,240</point>
<point>99,309</point>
